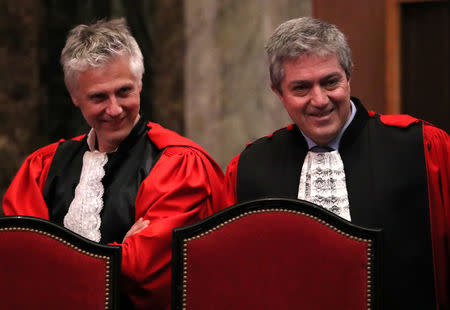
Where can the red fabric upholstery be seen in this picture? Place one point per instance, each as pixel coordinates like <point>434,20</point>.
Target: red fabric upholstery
<point>41,271</point>
<point>276,260</point>
<point>37,271</point>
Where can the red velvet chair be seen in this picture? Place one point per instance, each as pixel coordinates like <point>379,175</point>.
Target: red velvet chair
<point>275,254</point>
<point>45,266</point>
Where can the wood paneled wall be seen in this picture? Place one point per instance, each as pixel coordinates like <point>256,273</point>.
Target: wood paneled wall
<point>373,30</point>
<point>363,23</point>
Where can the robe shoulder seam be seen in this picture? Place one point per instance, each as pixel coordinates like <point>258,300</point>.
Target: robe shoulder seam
<point>274,135</point>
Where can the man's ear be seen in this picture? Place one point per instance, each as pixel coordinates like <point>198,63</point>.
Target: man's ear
<point>277,92</point>
<point>75,101</point>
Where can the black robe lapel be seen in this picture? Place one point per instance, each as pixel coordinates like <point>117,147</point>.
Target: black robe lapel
<point>271,166</point>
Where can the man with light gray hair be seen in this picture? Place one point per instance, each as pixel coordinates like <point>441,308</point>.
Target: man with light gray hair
<point>127,182</point>
<point>377,171</point>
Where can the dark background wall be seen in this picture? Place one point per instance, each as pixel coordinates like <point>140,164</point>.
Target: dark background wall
<point>424,61</point>
<point>21,92</point>
<point>35,108</point>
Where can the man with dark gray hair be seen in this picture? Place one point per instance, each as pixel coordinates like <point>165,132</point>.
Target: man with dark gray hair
<point>126,182</point>
<point>377,171</point>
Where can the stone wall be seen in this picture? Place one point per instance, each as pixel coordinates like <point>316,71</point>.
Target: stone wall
<point>228,101</point>
<point>35,108</point>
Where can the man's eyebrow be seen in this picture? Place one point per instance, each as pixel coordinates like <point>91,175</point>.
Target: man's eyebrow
<point>297,82</point>
<point>127,84</point>
<point>95,93</point>
<point>326,77</point>
<point>331,75</point>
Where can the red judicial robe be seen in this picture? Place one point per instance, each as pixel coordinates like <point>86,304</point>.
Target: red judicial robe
<point>180,186</point>
<point>398,179</point>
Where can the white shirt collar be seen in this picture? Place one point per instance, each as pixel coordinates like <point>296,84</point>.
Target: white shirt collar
<point>91,142</point>
<point>91,139</point>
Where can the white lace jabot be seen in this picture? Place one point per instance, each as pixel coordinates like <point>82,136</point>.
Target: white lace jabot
<point>322,181</point>
<point>83,216</point>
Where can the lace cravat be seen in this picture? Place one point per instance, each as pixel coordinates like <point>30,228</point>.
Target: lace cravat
<point>83,216</point>
<point>322,181</point>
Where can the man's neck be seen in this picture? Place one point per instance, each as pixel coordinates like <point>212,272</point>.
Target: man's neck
<point>93,144</point>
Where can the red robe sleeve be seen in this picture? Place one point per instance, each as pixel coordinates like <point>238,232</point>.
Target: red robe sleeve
<point>437,157</point>
<point>230,182</point>
<point>24,195</point>
<point>182,188</point>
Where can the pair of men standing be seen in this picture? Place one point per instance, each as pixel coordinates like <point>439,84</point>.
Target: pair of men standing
<point>135,181</point>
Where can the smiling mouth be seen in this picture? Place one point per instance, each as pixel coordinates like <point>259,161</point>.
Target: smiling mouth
<point>323,114</point>
<point>114,122</point>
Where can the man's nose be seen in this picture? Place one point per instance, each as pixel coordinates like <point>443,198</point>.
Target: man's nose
<point>319,96</point>
<point>114,108</point>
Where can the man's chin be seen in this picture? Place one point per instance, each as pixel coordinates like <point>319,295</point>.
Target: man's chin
<point>324,137</point>
<point>114,138</point>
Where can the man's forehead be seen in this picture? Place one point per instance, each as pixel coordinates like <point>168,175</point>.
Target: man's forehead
<point>312,66</point>
<point>108,86</point>
<point>105,77</point>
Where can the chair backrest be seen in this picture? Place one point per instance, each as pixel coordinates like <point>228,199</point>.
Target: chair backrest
<point>275,254</point>
<point>46,266</point>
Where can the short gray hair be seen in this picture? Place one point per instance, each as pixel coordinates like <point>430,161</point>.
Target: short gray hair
<point>95,45</point>
<point>301,36</point>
